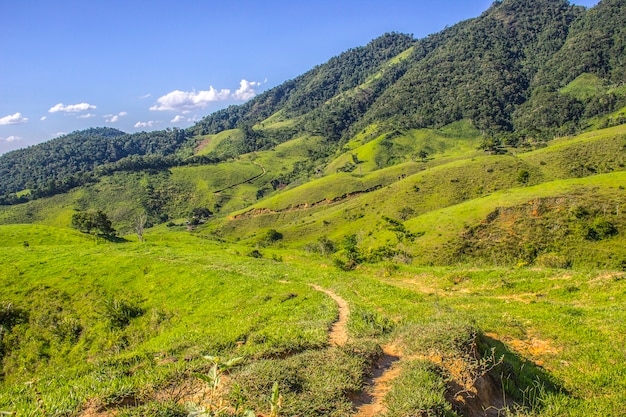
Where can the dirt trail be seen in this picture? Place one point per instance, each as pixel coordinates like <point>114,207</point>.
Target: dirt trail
<point>370,402</point>
<point>338,333</point>
<point>263,172</point>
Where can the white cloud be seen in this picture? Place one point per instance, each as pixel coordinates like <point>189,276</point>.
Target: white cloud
<point>114,118</point>
<point>12,139</point>
<point>86,116</point>
<point>186,101</point>
<point>71,108</point>
<point>145,96</point>
<point>141,125</point>
<point>13,119</point>
<point>42,118</point>
<point>246,90</point>
<point>178,119</point>
<point>56,135</point>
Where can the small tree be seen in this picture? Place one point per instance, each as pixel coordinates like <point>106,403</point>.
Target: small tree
<point>272,235</point>
<point>96,221</point>
<point>200,215</point>
<point>140,223</point>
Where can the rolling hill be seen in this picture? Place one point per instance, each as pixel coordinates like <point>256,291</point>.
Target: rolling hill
<point>455,204</point>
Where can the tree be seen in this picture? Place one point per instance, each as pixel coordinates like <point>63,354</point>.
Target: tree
<point>200,215</point>
<point>270,237</point>
<point>96,221</point>
<point>140,224</point>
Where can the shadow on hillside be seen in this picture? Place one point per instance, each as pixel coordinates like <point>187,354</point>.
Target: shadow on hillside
<point>525,383</point>
<point>113,239</point>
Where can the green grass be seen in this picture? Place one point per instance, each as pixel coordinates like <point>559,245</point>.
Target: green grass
<point>455,140</point>
<point>591,153</point>
<point>585,86</point>
<point>442,226</point>
<point>276,121</point>
<point>209,143</point>
<point>181,297</point>
<point>183,302</point>
<point>520,253</point>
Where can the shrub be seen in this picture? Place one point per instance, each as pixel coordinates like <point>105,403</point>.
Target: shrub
<point>601,229</point>
<point>120,312</point>
<point>272,236</point>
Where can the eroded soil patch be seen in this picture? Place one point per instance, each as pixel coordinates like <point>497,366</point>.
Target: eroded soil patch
<point>370,402</point>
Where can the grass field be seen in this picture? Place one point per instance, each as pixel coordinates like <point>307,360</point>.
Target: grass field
<point>492,281</point>
<point>117,326</point>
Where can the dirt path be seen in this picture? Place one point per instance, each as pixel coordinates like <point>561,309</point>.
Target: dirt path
<point>338,333</point>
<point>263,172</point>
<point>370,402</point>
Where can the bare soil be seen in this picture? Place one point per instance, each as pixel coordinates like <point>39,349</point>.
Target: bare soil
<point>370,402</point>
<point>338,334</point>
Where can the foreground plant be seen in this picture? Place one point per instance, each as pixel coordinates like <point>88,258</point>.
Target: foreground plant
<point>215,406</point>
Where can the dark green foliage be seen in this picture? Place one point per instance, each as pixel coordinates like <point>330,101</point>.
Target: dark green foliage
<point>10,315</point>
<point>601,229</point>
<point>200,215</point>
<point>272,236</point>
<point>120,312</point>
<point>350,255</point>
<point>326,246</point>
<point>93,221</point>
<point>595,45</point>
<point>478,69</point>
<point>60,164</point>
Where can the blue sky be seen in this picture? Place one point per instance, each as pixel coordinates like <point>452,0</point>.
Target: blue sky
<point>68,65</point>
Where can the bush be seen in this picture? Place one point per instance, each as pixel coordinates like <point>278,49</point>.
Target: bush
<point>601,229</point>
<point>120,312</point>
<point>272,236</point>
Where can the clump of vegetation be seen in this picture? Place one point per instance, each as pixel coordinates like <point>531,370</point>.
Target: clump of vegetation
<point>120,312</point>
<point>199,215</point>
<point>93,221</point>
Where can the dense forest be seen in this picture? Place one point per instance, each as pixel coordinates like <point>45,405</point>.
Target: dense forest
<point>507,71</point>
<point>71,160</point>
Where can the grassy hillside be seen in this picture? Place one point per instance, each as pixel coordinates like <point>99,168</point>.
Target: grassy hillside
<point>101,326</point>
<point>446,213</point>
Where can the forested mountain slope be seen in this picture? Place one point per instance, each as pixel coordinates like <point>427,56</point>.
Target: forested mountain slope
<point>516,73</point>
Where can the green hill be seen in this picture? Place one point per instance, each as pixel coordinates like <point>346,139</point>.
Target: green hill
<point>446,211</point>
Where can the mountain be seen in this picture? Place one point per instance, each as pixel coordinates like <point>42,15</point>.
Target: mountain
<point>70,160</point>
<point>497,70</point>
<point>389,132</point>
